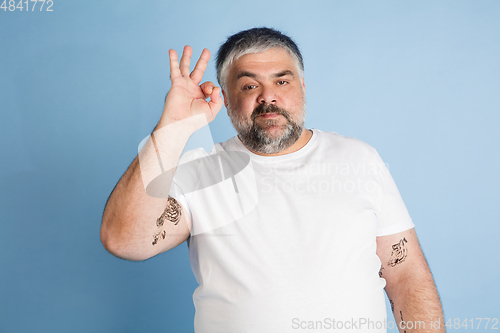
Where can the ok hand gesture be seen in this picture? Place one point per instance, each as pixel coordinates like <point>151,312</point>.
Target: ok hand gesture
<point>187,98</point>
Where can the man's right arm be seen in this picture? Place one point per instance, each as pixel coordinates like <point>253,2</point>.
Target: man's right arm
<point>137,224</point>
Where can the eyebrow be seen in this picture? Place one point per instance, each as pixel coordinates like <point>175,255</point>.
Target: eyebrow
<point>252,75</point>
<point>247,74</point>
<point>284,73</point>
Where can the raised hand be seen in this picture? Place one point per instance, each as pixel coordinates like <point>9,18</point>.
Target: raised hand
<point>187,98</point>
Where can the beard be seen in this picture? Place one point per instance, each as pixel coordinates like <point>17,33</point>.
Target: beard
<point>257,135</point>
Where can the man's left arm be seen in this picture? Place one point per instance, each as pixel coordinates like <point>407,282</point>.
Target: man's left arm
<point>410,286</point>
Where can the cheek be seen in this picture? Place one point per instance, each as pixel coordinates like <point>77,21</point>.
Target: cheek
<point>243,105</point>
<point>301,97</point>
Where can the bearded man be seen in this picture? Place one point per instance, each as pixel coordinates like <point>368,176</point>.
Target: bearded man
<point>288,228</point>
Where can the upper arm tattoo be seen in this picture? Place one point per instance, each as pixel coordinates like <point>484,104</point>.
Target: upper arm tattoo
<point>172,213</point>
<point>399,253</point>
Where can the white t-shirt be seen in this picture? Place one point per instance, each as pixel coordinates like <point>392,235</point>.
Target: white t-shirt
<point>286,243</point>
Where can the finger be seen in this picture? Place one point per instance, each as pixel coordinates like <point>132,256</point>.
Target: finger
<point>174,64</point>
<point>186,60</point>
<point>200,67</point>
<point>207,88</point>
<point>215,103</point>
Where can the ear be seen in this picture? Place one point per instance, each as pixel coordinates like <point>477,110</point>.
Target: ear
<point>304,84</point>
<point>225,97</point>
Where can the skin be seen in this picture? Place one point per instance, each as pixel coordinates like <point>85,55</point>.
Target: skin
<point>409,284</point>
<point>269,77</point>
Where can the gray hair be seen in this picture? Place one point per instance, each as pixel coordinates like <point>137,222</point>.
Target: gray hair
<point>254,40</point>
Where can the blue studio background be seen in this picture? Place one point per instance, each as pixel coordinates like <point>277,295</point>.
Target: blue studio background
<point>82,85</point>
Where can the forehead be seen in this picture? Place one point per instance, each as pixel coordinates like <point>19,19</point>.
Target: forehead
<point>267,62</point>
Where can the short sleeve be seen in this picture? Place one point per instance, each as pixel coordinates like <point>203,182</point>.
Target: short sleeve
<point>392,215</point>
<point>186,177</point>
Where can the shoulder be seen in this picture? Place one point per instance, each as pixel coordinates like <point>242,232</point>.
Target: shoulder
<point>343,144</point>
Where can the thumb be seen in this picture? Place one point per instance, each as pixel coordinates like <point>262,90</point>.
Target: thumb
<point>207,88</point>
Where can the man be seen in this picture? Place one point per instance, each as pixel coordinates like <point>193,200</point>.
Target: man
<point>310,234</point>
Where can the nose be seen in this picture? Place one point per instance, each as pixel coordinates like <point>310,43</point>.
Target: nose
<point>267,95</point>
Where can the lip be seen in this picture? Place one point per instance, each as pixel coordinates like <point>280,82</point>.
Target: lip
<point>269,115</point>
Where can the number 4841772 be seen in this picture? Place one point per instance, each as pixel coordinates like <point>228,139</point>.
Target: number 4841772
<point>472,323</point>
<point>11,5</point>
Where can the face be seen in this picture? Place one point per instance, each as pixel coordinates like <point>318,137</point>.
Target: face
<point>265,100</point>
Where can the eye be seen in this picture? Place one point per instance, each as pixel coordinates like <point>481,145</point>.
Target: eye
<point>282,82</point>
<point>249,87</point>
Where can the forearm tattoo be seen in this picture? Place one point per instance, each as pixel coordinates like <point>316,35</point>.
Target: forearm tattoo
<point>172,213</point>
<point>399,253</point>
<point>401,313</point>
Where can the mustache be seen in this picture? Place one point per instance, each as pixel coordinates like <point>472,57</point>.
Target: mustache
<point>269,108</point>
